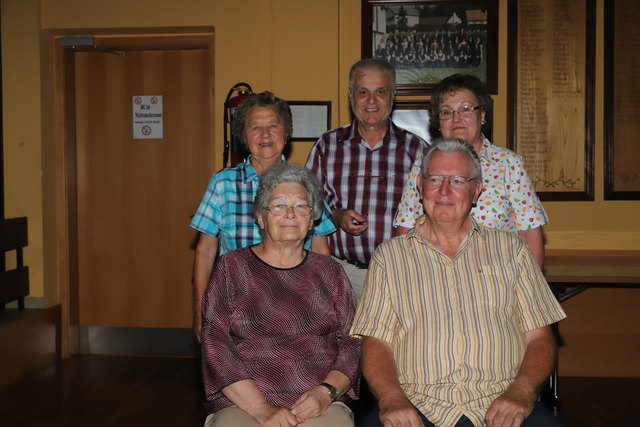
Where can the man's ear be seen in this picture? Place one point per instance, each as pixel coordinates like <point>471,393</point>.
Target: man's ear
<point>478,191</point>
<point>419,184</point>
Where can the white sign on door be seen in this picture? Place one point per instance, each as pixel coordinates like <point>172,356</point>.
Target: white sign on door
<point>147,117</point>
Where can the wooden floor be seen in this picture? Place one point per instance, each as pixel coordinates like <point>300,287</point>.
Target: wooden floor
<point>165,392</point>
<point>107,391</point>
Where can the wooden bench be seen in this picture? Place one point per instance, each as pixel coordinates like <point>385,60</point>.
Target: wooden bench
<point>14,284</point>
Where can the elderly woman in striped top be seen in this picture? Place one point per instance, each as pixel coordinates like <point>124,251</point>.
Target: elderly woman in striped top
<point>276,349</point>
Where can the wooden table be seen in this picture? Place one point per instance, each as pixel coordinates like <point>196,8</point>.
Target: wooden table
<point>570,272</point>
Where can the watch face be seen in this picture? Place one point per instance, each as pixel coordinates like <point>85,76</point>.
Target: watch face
<point>333,392</point>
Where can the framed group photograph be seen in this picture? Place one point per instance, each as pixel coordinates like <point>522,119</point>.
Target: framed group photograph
<point>429,40</point>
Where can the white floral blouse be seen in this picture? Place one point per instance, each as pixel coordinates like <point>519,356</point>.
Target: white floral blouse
<point>508,201</point>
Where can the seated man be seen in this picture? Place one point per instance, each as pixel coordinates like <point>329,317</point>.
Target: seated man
<point>455,316</point>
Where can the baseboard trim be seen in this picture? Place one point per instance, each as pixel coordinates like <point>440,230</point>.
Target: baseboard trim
<point>29,303</point>
<point>179,342</point>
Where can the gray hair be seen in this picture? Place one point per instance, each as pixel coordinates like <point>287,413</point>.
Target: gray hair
<point>453,146</point>
<point>262,99</point>
<point>289,173</point>
<point>377,64</point>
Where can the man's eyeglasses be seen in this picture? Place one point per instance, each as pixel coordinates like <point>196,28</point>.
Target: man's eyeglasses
<point>281,209</point>
<point>456,181</point>
<point>464,111</point>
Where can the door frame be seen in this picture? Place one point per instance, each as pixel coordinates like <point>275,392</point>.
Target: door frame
<point>59,152</point>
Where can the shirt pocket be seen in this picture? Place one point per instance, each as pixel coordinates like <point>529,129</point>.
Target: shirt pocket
<point>493,289</point>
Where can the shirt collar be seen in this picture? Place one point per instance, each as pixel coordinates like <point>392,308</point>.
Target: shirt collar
<point>484,147</point>
<point>475,228</point>
<point>355,138</point>
<point>248,171</point>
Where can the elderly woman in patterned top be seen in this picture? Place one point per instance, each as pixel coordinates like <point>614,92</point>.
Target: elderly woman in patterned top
<point>461,104</point>
<point>276,349</point>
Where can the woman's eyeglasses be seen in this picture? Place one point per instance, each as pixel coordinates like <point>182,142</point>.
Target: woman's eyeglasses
<point>464,111</point>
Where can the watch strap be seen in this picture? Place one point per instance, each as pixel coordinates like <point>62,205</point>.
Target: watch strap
<point>333,391</point>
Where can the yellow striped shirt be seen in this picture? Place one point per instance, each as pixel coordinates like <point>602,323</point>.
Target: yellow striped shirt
<point>456,325</point>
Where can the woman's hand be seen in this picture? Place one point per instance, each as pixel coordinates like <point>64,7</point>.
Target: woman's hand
<point>274,416</point>
<point>311,404</point>
<point>246,396</point>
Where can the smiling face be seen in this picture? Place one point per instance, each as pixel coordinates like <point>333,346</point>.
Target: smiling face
<point>289,227</point>
<point>466,128</point>
<point>446,203</point>
<point>265,134</point>
<point>372,97</point>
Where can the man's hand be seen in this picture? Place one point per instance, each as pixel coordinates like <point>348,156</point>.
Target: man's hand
<point>379,369</point>
<point>311,404</point>
<point>274,416</point>
<point>517,402</point>
<point>350,221</point>
<point>510,409</point>
<point>399,412</point>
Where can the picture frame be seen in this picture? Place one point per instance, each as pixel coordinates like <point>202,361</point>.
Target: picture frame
<point>551,99</point>
<point>310,119</point>
<point>413,115</point>
<point>429,40</point>
<point>621,126</point>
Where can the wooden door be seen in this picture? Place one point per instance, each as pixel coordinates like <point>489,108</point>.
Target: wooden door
<point>135,196</point>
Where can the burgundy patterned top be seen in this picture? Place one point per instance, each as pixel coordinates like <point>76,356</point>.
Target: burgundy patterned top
<point>283,328</point>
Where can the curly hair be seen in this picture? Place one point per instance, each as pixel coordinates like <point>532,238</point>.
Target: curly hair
<point>262,99</point>
<point>289,173</point>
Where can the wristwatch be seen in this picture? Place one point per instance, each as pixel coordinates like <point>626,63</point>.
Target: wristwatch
<point>333,392</point>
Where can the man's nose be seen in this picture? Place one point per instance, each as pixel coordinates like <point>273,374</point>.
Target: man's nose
<point>445,188</point>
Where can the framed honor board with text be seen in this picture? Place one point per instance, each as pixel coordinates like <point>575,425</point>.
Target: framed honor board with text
<point>622,92</point>
<point>551,94</point>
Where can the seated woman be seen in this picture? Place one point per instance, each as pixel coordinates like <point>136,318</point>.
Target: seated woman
<point>276,349</point>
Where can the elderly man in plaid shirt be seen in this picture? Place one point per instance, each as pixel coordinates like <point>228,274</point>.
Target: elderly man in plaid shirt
<point>362,168</point>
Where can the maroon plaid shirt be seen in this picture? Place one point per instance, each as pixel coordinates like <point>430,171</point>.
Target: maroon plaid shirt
<point>369,180</point>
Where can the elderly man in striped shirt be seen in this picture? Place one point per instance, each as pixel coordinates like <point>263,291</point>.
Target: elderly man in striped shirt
<point>362,168</point>
<point>455,316</point>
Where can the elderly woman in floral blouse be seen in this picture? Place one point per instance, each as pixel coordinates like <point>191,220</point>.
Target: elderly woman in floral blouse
<point>508,202</point>
<point>276,349</point>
